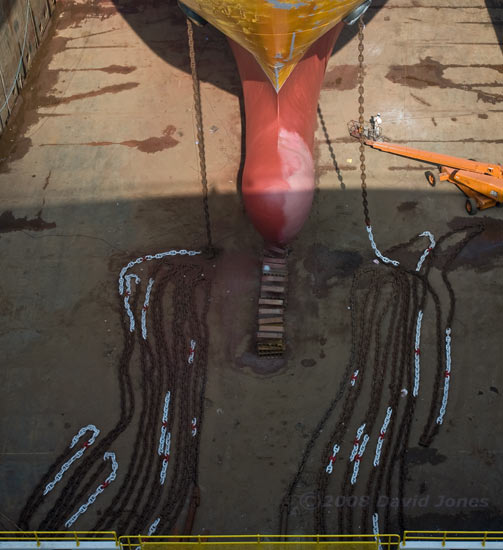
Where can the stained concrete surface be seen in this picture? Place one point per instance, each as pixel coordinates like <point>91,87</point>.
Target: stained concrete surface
<point>100,165</point>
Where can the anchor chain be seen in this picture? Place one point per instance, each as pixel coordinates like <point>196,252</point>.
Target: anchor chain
<point>361,121</point>
<point>200,135</point>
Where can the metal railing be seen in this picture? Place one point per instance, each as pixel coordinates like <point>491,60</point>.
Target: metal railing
<point>263,542</point>
<point>473,539</point>
<point>61,536</point>
<point>459,536</point>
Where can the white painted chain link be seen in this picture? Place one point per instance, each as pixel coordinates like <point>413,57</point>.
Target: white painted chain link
<point>375,529</point>
<point>194,427</point>
<point>382,433</point>
<point>145,307</point>
<point>417,354</point>
<point>90,427</point>
<point>358,457</point>
<point>164,425</point>
<point>192,352</point>
<point>153,528</point>
<point>447,375</point>
<point>99,490</point>
<point>165,458</point>
<point>330,468</point>
<point>377,251</point>
<point>150,257</point>
<point>359,433</point>
<point>354,377</point>
<point>427,250</point>
<point>126,299</point>
<point>387,260</point>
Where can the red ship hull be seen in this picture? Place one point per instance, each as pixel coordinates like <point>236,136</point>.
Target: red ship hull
<point>278,175</point>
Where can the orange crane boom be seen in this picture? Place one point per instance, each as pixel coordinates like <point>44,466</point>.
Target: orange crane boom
<point>481,183</point>
<point>438,159</point>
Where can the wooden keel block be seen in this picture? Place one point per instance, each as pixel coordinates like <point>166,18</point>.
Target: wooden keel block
<point>269,302</point>
<point>270,320</point>
<point>272,328</point>
<point>270,311</point>
<point>275,261</point>
<point>273,351</point>
<point>273,279</point>
<point>277,273</point>
<point>274,289</point>
<point>276,250</point>
<point>270,335</point>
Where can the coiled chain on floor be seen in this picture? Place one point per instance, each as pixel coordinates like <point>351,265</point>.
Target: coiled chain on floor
<point>385,301</point>
<point>168,361</point>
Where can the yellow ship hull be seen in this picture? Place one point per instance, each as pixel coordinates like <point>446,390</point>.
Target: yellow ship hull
<point>276,32</point>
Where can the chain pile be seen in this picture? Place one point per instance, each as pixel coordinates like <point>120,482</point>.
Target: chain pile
<point>165,345</point>
<point>172,323</point>
<point>381,380</point>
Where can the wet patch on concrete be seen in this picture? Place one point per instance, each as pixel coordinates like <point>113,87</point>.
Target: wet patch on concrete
<point>485,455</point>
<point>483,251</point>
<point>260,365</point>
<point>324,264</point>
<point>342,77</point>
<point>483,116</point>
<point>429,72</point>
<point>17,151</point>
<point>9,223</point>
<point>149,145</point>
<point>308,363</point>
<point>407,206</point>
<point>424,455</point>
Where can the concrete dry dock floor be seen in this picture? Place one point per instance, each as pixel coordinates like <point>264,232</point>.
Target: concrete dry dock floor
<point>100,166</point>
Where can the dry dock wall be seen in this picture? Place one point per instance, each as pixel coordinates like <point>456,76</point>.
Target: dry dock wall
<point>22,26</point>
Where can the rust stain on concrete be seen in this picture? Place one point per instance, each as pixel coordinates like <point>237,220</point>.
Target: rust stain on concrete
<point>150,145</point>
<point>429,72</point>
<point>420,99</point>
<point>113,89</point>
<point>342,77</point>
<point>8,223</point>
<point>327,168</point>
<point>111,69</point>
<point>408,167</point>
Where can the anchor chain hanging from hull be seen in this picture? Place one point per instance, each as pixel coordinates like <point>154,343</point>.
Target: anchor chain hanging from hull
<point>196,89</point>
